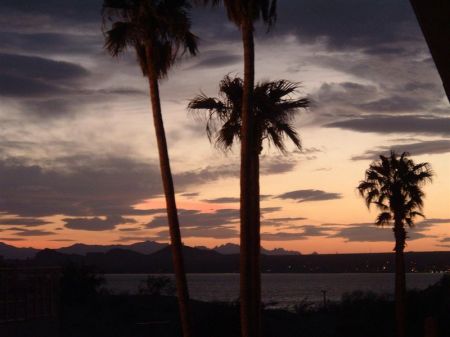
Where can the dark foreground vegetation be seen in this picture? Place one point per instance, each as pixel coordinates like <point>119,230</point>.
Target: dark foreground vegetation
<point>88,310</point>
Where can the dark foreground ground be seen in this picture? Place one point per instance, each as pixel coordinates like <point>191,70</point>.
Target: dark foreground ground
<point>87,311</point>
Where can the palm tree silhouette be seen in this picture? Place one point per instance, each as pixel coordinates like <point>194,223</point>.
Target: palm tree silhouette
<point>243,13</point>
<point>159,32</point>
<point>394,185</point>
<point>274,110</point>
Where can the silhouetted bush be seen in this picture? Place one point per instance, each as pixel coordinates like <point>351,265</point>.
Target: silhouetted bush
<point>157,286</point>
<point>432,304</point>
<point>304,307</point>
<point>80,284</point>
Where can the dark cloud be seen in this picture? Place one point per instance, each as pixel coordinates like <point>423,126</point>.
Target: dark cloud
<point>12,86</point>
<point>31,232</point>
<point>50,43</point>
<point>279,222</point>
<point>43,87</point>
<point>38,68</point>
<point>447,239</point>
<point>190,195</point>
<point>400,83</point>
<point>221,232</point>
<point>428,125</point>
<point>219,224</point>
<point>434,221</point>
<point>208,173</point>
<point>384,50</point>
<point>25,222</point>
<point>283,236</point>
<point>81,186</point>
<point>419,148</point>
<point>368,232</point>
<point>288,219</point>
<point>223,200</point>
<point>298,232</point>
<point>394,104</point>
<point>12,239</point>
<point>270,209</point>
<point>371,233</point>
<point>50,14</point>
<point>309,195</point>
<point>342,24</point>
<point>265,196</point>
<point>216,59</point>
<point>357,101</point>
<point>130,229</point>
<point>277,165</point>
<point>347,93</point>
<point>96,224</point>
<point>196,218</point>
<point>89,187</point>
<point>269,165</point>
<point>347,23</point>
<point>322,230</point>
<point>84,186</point>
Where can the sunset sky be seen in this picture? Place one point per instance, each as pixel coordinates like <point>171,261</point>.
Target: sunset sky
<point>78,157</point>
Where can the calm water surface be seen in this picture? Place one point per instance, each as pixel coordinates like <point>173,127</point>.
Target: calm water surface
<point>281,290</point>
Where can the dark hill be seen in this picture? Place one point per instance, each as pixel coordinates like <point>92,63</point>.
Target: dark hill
<point>11,252</point>
<point>146,247</point>
<point>208,261</point>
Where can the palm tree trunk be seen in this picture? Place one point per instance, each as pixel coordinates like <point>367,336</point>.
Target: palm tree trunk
<point>400,281</point>
<point>172,214</point>
<point>256,247</point>
<point>249,320</point>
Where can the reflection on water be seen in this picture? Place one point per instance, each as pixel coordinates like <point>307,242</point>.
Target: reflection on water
<point>284,289</point>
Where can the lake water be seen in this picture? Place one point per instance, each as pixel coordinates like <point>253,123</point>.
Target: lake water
<point>280,290</point>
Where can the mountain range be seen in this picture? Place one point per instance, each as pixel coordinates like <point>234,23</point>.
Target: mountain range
<point>145,247</point>
<point>203,260</point>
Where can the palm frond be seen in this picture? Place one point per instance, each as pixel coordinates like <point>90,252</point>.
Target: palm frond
<point>159,31</point>
<point>275,108</point>
<point>393,183</point>
<point>121,36</point>
<point>383,219</point>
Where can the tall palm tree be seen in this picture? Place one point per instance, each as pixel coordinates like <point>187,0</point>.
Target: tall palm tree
<point>243,13</point>
<point>394,185</point>
<point>159,32</point>
<point>274,110</point>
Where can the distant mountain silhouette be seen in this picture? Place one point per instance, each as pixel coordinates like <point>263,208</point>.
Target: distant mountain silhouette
<point>11,252</point>
<point>210,261</point>
<point>50,257</point>
<point>231,248</point>
<point>146,247</point>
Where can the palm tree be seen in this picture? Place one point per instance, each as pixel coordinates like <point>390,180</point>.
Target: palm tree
<point>394,185</point>
<point>243,13</point>
<point>274,110</point>
<point>159,32</point>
